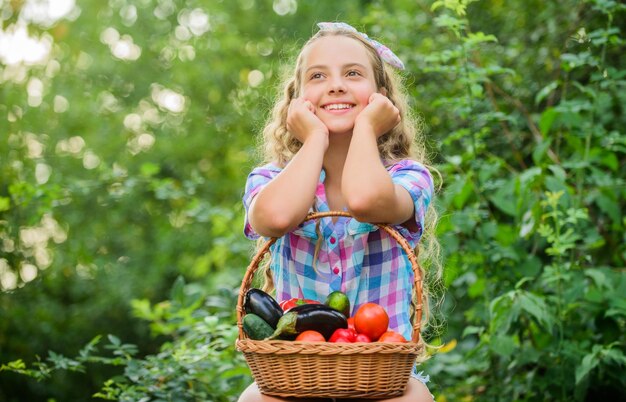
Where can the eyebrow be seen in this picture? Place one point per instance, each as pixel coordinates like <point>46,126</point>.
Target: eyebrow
<point>324,67</point>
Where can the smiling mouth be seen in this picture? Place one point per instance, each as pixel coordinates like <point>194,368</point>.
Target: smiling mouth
<point>338,106</point>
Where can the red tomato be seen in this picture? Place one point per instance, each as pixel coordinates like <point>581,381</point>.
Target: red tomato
<point>372,320</point>
<point>343,333</point>
<point>392,336</point>
<point>351,323</point>
<point>310,336</point>
<point>342,339</point>
<point>362,338</point>
<point>293,302</point>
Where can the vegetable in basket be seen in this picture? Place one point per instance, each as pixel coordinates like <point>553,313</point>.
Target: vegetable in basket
<point>317,317</point>
<point>343,335</point>
<point>372,320</point>
<point>262,304</point>
<point>392,336</point>
<point>296,301</point>
<point>339,301</point>
<point>310,336</point>
<point>255,327</point>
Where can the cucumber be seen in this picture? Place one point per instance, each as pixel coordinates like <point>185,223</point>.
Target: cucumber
<point>262,304</point>
<point>255,327</point>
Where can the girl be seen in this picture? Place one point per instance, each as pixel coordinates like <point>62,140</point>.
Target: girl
<point>341,138</point>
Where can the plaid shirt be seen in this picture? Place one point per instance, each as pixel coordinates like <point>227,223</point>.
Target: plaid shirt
<point>356,258</point>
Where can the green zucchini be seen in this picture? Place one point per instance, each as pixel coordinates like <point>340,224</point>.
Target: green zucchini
<point>255,327</point>
<point>262,304</point>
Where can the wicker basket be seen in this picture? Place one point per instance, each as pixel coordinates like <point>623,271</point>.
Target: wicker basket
<point>331,370</point>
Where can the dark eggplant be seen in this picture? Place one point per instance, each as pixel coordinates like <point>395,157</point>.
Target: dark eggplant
<point>260,303</point>
<point>316,317</point>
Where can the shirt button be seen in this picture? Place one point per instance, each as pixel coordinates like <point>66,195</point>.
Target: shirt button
<point>336,270</point>
<point>332,240</point>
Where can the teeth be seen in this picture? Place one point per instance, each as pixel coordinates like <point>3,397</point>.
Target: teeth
<point>338,106</point>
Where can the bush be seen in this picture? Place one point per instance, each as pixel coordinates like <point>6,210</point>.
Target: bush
<point>121,174</point>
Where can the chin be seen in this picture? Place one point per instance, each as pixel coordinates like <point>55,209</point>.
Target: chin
<point>341,130</point>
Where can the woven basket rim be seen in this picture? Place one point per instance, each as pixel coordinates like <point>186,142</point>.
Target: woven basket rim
<point>284,347</point>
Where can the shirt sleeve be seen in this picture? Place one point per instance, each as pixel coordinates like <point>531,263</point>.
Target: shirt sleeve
<point>417,180</point>
<point>257,179</point>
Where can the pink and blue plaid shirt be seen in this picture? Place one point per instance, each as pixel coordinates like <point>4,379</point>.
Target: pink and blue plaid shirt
<point>356,258</point>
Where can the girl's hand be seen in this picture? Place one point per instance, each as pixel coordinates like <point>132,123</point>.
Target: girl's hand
<point>302,121</point>
<point>381,115</point>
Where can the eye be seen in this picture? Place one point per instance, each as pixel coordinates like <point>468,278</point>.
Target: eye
<point>353,73</point>
<point>316,76</point>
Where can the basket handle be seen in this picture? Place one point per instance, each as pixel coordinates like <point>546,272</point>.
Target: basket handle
<point>417,273</point>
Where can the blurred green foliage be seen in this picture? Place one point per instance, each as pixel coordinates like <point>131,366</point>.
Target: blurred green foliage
<point>127,131</point>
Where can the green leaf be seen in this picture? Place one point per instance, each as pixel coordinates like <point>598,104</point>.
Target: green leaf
<point>150,169</point>
<point>447,21</point>
<point>535,306</point>
<point>143,309</point>
<point>599,277</point>
<point>616,356</point>
<point>458,6</point>
<point>15,365</point>
<point>547,119</point>
<point>545,91</point>
<point>86,351</point>
<point>478,37</point>
<point>503,312</point>
<point>609,159</point>
<point>558,172</point>
<point>178,290</point>
<point>464,221</point>
<point>527,225</point>
<point>477,288</point>
<point>436,5</point>
<point>115,341</point>
<point>505,197</point>
<point>555,183</point>
<point>588,363</point>
<point>503,345</point>
<point>472,330</point>
<point>530,175</point>
<point>5,204</point>
<point>575,60</point>
<point>541,149</point>
<point>617,307</point>
<point>460,192</point>
<point>609,206</point>
<point>65,363</point>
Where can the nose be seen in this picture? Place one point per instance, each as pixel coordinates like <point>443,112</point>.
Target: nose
<point>336,85</point>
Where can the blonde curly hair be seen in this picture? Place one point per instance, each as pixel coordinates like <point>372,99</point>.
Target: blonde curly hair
<point>403,141</point>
